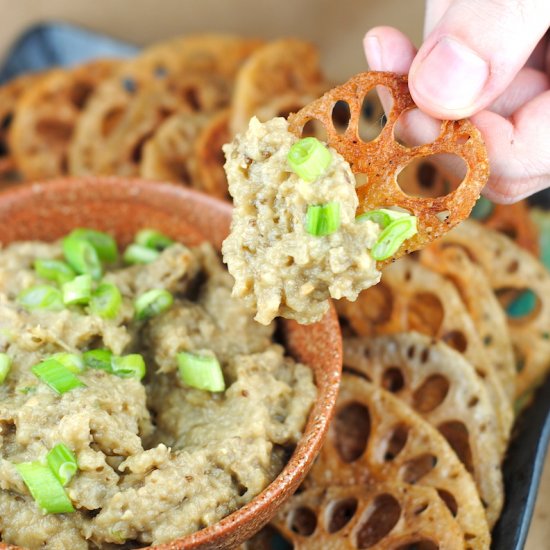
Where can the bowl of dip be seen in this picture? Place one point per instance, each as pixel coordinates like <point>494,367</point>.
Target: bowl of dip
<point>160,460</point>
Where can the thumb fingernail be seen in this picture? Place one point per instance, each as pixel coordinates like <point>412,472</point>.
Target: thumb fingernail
<point>373,52</point>
<point>451,76</point>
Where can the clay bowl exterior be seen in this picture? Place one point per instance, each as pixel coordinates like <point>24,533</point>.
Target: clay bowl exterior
<point>47,211</point>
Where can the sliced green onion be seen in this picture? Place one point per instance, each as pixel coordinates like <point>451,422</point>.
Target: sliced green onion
<point>106,301</point>
<point>59,378</point>
<point>383,217</point>
<point>482,209</point>
<point>152,303</point>
<point>54,270</point>
<point>309,158</point>
<point>323,219</point>
<point>77,291</point>
<point>201,371</point>
<point>70,361</point>
<point>41,297</point>
<point>82,257</point>
<point>98,359</point>
<point>5,366</point>
<point>129,366</point>
<point>104,244</point>
<point>62,463</point>
<point>138,254</point>
<point>393,237</point>
<point>44,487</point>
<point>153,239</point>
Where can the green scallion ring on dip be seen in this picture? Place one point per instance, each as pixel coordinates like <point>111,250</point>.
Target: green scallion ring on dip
<point>62,463</point>
<point>150,238</point>
<point>56,376</point>
<point>5,366</point>
<point>104,244</point>
<point>98,359</point>
<point>106,301</point>
<point>70,361</point>
<point>309,159</point>
<point>383,216</point>
<point>54,270</point>
<point>77,291</point>
<point>392,237</point>
<point>201,371</point>
<point>45,488</point>
<point>41,297</point>
<point>152,303</point>
<point>324,219</point>
<point>82,257</point>
<point>129,366</point>
<point>138,254</point>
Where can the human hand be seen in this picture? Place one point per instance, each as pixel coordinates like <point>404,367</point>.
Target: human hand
<point>488,60</point>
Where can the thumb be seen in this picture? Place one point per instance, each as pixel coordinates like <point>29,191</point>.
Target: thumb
<point>473,53</point>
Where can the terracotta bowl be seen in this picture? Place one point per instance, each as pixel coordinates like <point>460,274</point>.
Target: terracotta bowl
<point>121,207</point>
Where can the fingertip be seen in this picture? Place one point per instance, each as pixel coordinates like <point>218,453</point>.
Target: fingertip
<point>388,49</point>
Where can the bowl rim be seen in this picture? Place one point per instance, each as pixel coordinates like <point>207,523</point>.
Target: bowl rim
<point>16,196</point>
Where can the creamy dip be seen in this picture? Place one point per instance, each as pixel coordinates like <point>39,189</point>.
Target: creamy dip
<point>156,459</point>
<point>279,268</point>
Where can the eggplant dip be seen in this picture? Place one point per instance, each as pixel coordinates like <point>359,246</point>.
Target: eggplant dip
<point>123,389</point>
<point>295,239</point>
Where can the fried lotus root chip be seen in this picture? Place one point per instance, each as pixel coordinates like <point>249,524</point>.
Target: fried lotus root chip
<point>381,160</point>
<point>411,297</point>
<point>382,515</point>
<point>46,115</point>
<point>442,387</point>
<point>477,295</point>
<point>277,78</point>
<point>514,274</point>
<point>375,437</point>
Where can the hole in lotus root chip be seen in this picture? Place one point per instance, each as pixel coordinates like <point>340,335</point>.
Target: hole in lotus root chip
<point>456,339</point>
<point>392,380</point>
<point>381,518</point>
<point>351,431</point>
<point>425,313</point>
<point>431,393</point>
<point>443,387</point>
<point>396,442</point>
<point>418,467</point>
<point>383,158</point>
<point>372,118</point>
<point>340,513</point>
<point>449,501</point>
<point>414,128</point>
<point>388,414</point>
<point>315,128</point>
<point>340,116</point>
<point>303,521</point>
<point>457,435</point>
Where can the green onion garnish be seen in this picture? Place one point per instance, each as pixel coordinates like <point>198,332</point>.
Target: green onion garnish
<point>98,359</point>
<point>54,270</point>
<point>5,365</point>
<point>62,463</point>
<point>383,217</point>
<point>309,158</point>
<point>77,291</point>
<point>323,219</point>
<point>153,239</point>
<point>104,244</point>
<point>45,488</point>
<point>41,297</point>
<point>106,301</point>
<point>393,237</point>
<point>59,378</point>
<point>138,254</point>
<point>201,371</point>
<point>129,366</point>
<point>152,303</point>
<point>70,361</point>
<point>82,256</point>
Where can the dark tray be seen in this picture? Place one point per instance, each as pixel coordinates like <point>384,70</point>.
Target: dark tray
<point>50,44</point>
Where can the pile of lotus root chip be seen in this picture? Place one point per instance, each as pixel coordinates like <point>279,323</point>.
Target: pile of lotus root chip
<point>438,358</point>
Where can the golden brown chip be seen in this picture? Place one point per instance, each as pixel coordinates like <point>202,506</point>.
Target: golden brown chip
<point>513,272</point>
<point>411,297</point>
<point>375,436</point>
<point>381,159</point>
<point>442,387</point>
<point>477,295</point>
<point>276,79</point>
<point>169,154</point>
<point>46,115</point>
<point>381,515</point>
